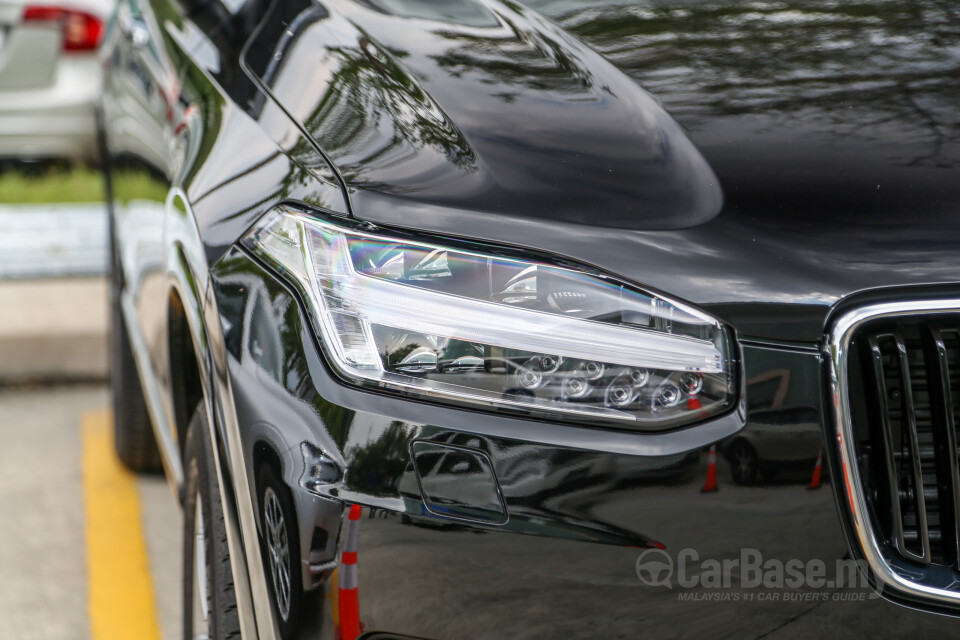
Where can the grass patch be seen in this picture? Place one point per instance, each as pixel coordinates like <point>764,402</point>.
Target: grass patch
<point>50,184</point>
<point>129,184</point>
<point>61,183</point>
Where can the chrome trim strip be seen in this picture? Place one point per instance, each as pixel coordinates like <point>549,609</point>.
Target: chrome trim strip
<point>836,352</point>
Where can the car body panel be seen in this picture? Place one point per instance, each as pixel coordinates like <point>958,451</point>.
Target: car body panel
<point>217,133</point>
<point>878,149</point>
<point>580,510</point>
<point>168,166</point>
<point>413,126</point>
<point>786,253</point>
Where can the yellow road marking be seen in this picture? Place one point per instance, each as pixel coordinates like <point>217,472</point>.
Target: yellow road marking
<point>121,601</point>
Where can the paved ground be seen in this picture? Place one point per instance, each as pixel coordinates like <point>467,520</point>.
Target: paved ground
<point>53,291</point>
<point>53,329</point>
<point>56,553</point>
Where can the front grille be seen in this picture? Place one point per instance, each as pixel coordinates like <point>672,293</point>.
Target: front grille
<point>909,376</point>
<point>898,423</point>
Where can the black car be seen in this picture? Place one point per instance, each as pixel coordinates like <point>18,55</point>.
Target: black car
<point>438,314</point>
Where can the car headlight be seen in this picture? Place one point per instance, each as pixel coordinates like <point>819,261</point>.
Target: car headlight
<point>480,325</point>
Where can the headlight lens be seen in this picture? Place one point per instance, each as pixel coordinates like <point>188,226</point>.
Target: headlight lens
<point>480,325</point>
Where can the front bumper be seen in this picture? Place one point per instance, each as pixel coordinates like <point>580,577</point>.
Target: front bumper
<point>589,512</point>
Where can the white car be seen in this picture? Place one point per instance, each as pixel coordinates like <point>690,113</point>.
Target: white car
<point>50,78</point>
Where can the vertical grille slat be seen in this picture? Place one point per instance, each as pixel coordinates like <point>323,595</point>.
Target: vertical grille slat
<point>909,420</point>
<point>902,462</point>
<point>890,455</point>
<point>942,409</point>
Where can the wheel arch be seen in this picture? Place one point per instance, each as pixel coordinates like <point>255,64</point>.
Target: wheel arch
<point>188,374</point>
<point>185,373</point>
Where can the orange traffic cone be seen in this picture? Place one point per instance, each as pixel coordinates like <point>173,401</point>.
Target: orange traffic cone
<point>710,485</point>
<point>348,600</point>
<point>815,481</point>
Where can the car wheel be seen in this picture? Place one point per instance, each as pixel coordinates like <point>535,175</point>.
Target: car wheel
<point>133,435</point>
<point>744,462</point>
<point>209,603</point>
<point>281,549</point>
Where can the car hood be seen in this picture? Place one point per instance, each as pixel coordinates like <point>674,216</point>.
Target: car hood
<point>816,155</point>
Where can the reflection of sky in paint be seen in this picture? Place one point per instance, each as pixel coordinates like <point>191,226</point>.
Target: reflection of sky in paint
<point>468,13</point>
<point>803,58</point>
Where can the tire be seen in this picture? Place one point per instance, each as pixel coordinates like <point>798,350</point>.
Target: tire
<point>744,462</point>
<point>281,549</point>
<point>203,523</point>
<point>133,435</point>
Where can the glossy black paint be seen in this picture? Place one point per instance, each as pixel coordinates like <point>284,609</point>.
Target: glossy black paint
<point>836,170</point>
<point>583,503</point>
<point>406,108</point>
<point>778,161</point>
